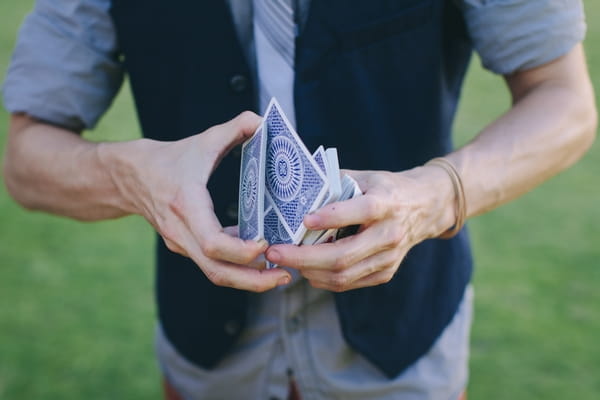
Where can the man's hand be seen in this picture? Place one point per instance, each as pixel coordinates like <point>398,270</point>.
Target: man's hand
<point>54,170</point>
<point>551,124</point>
<point>166,182</point>
<point>396,211</point>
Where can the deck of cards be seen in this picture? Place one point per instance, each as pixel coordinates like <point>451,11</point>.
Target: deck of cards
<point>281,182</point>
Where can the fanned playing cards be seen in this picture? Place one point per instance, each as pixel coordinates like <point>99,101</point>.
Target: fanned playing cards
<point>281,182</point>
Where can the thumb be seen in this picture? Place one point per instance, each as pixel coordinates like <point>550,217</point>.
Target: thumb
<point>237,130</point>
<point>220,139</point>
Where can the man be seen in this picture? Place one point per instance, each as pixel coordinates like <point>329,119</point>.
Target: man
<point>384,313</point>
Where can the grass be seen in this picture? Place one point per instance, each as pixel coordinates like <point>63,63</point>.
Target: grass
<point>76,302</point>
<point>537,268</point>
<point>77,309</point>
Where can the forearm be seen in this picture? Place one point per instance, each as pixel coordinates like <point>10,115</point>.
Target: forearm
<point>50,169</point>
<point>550,126</point>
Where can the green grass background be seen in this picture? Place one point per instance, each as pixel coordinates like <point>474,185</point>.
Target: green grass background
<point>77,310</point>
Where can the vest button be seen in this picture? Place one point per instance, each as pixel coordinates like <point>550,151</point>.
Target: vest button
<point>238,83</point>
<point>232,211</point>
<point>231,327</point>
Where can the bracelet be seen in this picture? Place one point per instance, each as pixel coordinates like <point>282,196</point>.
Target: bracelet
<point>459,193</point>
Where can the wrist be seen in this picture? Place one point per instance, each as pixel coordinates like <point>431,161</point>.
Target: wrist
<point>460,206</point>
<point>439,199</point>
<point>123,163</point>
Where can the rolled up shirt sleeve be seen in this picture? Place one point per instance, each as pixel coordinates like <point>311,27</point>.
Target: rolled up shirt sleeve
<point>65,68</point>
<point>512,35</point>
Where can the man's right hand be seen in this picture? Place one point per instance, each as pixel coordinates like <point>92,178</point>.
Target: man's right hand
<point>51,169</point>
<point>166,182</point>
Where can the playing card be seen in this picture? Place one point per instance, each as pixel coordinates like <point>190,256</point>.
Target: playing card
<point>275,232</point>
<point>281,182</point>
<point>328,158</point>
<point>252,183</point>
<point>319,157</point>
<point>333,175</point>
<point>350,189</point>
<point>295,184</point>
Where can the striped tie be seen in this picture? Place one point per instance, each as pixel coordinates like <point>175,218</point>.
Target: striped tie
<point>274,34</point>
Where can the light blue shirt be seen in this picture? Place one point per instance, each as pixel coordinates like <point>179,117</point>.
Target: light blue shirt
<point>66,70</point>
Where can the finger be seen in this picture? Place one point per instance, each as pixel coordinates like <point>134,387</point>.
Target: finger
<point>247,278</point>
<point>357,211</point>
<point>238,276</point>
<point>234,131</point>
<point>321,256</point>
<point>350,278</point>
<point>259,262</point>
<point>220,139</point>
<point>244,277</point>
<point>224,273</point>
<point>339,255</point>
<point>378,278</point>
<point>209,234</point>
<point>221,246</point>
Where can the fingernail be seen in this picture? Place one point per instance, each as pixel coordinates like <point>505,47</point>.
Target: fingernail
<point>274,256</point>
<point>283,280</point>
<point>263,243</point>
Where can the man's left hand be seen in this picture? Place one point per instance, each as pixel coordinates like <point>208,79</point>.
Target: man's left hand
<point>395,212</point>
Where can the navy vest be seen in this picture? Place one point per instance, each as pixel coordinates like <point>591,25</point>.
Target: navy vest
<point>377,79</point>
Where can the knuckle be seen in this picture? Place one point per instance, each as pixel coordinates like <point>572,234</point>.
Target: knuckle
<point>371,269</point>
<point>213,276</point>
<point>300,263</point>
<point>217,278</point>
<point>177,205</point>
<point>338,282</point>
<point>210,248</point>
<point>244,254</point>
<point>318,284</point>
<point>309,276</point>
<point>396,257</point>
<point>172,246</point>
<point>246,258</point>
<point>387,276</point>
<point>372,207</point>
<point>342,262</point>
<point>258,288</point>
<point>394,236</point>
<point>169,235</point>
<point>336,289</point>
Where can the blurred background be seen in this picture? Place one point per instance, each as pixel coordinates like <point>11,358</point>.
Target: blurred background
<point>77,309</point>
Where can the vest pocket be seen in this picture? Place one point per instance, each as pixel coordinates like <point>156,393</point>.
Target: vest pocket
<point>366,32</point>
